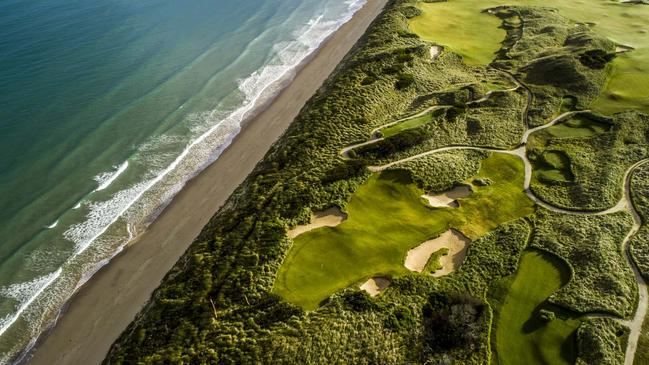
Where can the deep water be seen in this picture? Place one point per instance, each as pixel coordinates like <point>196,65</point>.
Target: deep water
<point>106,109</point>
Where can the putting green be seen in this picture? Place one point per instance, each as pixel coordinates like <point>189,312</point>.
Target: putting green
<point>577,128</point>
<point>386,218</point>
<point>521,336</point>
<point>461,26</point>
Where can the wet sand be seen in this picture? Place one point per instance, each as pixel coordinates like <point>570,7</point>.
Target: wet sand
<point>98,313</point>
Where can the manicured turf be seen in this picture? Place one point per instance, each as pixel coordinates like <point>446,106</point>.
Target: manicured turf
<point>387,218</point>
<point>521,337</point>
<point>407,124</point>
<point>476,36</point>
<point>577,128</point>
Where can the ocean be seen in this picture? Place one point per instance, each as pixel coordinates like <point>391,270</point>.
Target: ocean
<point>107,108</point>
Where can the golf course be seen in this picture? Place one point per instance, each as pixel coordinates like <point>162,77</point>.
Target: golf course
<point>468,187</point>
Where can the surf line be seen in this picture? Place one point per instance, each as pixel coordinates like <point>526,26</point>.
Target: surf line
<point>113,176</point>
<point>10,321</point>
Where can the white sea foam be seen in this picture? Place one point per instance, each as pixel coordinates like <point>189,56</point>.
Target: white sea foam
<point>255,87</point>
<point>167,174</point>
<point>53,225</point>
<point>25,294</point>
<point>106,178</point>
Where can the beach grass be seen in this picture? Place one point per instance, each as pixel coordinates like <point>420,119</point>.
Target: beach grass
<point>522,336</point>
<point>386,219</point>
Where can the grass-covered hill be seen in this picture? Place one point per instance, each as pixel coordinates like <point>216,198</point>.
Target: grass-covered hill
<point>545,279</point>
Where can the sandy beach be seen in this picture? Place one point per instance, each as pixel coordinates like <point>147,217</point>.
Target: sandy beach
<point>98,313</point>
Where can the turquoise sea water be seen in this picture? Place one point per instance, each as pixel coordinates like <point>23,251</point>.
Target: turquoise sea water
<point>107,108</point>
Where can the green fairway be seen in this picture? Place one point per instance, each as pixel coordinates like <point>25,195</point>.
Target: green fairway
<point>406,124</point>
<point>476,36</point>
<point>577,128</point>
<point>521,336</point>
<point>387,217</point>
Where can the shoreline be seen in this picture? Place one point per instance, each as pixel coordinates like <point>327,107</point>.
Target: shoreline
<point>99,311</point>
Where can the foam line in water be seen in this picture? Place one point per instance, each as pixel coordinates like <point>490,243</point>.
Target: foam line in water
<point>52,225</point>
<point>253,88</point>
<point>106,179</point>
<point>31,290</point>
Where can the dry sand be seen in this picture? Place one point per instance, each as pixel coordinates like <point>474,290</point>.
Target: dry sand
<point>327,218</point>
<point>449,197</point>
<point>99,312</point>
<point>374,286</point>
<point>435,51</point>
<point>456,243</point>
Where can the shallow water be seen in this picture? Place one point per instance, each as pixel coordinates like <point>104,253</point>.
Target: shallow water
<point>107,108</point>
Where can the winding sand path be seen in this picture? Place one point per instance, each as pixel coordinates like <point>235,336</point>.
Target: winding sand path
<point>624,204</point>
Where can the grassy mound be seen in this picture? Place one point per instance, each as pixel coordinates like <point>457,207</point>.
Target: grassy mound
<point>580,164</point>
<point>602,280</point>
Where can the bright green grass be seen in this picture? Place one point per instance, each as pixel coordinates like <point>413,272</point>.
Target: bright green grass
<point>461,26</point>
<point>406,124</point>
<point>386,218</point>
<point>521,337</point>
<point>433,263</point>
<point>577,128</point>
<point>628,85</point>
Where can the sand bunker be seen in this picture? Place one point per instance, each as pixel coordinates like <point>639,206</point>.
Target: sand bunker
<point>327,218</point>
<point>457,245</point>
<point>622,48</point>
<point>374,286</point>
<point>449,197</point>
<point>435,51</point>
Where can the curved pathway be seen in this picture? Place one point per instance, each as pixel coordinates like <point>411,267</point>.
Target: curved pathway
<point>624,204</point>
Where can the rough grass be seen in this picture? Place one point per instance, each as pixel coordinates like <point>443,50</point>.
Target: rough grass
<point>640,195</point>
<point>386,219</point>
<point>590,161</point>
<point>521,336</point>
<point>591,245</point>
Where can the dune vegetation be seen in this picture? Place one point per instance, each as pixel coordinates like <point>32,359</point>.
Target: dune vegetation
<point>530,103</point>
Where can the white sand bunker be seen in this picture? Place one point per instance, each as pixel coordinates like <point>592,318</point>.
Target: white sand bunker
<point>449,197</point>
<point>374,286</point>
<point>435,51</point>
<point>620,48</point>
<point>457,245</point>
<point>327,218</point>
